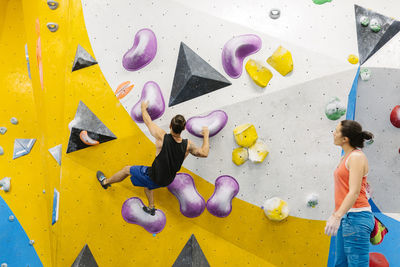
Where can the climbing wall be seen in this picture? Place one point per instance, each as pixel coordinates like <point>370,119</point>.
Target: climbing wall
<point>85,82</point>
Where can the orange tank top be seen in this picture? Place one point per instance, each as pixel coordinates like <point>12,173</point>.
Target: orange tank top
<point>341,175</point>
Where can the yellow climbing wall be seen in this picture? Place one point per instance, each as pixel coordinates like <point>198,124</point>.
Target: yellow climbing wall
<point>89,214</point>
<point>27,200</point>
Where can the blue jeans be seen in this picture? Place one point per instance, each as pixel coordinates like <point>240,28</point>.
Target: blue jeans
<point>352,240</point>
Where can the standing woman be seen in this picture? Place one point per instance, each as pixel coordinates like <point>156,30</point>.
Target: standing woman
<point>352,220</point>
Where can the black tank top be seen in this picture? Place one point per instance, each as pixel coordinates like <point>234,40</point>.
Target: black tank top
<point>168,162</point>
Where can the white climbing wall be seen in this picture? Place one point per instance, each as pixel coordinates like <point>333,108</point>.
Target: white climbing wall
<point>288,114</point>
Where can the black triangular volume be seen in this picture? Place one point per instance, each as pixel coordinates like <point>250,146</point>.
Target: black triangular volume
<point>193,77</point>
<point>75,143</point>
<point>85,258</point>
<point>366,38</point>
<point>390,32</point>
<point>191,255</point>
<point>82,59</point>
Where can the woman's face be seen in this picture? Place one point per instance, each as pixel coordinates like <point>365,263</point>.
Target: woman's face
<point>337,135</point>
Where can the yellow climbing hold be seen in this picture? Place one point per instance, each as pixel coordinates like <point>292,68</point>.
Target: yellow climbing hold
<point>260,74</point>
<point>276,209</point>
<point>353,59</point>
<point>281,60</point>
<point>258,152</point>
<point>245,135</point>
<point>240,155</point>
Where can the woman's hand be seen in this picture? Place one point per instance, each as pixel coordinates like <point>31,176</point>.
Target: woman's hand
<point>332,225</point>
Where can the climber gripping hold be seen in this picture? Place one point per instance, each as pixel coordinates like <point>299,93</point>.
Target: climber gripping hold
<point>171,150</point>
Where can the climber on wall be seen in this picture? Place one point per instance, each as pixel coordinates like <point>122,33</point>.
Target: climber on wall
<point>352,221</point>
<point>171,150</point>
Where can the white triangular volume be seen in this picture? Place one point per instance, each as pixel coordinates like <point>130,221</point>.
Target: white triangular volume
<point>56,153</point>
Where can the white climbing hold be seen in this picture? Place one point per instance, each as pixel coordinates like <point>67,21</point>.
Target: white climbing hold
<point>1,151</point>
<point>274,13</point>
<point>365,74</point>
<point>4,264</point>
<point>312,200</point>
<point>5,184</point>
<point>31,242</point>
<point>44,191</point>
<point>258,152</point>
<point>276,209</point>
<point>11,218</point>
<point>3,130</point>
<point>14,120</point>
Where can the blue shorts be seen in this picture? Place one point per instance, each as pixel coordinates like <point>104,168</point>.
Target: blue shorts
<point>140,177</point>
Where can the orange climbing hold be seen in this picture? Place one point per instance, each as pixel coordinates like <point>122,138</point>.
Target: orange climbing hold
<point>123,89</point>
<point>85,138</point>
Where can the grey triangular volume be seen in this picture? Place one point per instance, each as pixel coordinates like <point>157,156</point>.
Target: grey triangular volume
<point>22,147</point>
<point>191,255</point>
<point>390,32</point>
<point>85,258</point>
<point>87,120</point>
<point>194,77</point>
<point>82,59</point>
<point>56,153</point>
<point>366,38</point>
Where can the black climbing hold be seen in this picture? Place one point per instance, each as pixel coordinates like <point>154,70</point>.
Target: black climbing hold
<point>82,59</point>
<point>86,120</point>
<point>191,255</point>
<point>193,77</point>
<point>370,42</point>
<point>85,258</point>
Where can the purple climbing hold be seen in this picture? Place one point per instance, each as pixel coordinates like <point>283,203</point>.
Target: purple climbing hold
<point>235,51</point>
<point>215,121</point>
<point>220,203</point>
<point>143,51</point>
<point>191,203</point>
<point>151,92</point>
<point>132,212</point>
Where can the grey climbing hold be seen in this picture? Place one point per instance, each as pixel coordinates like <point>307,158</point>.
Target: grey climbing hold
<point>31,242</point>
<point>1,151</point>
<point>11,218</point>
<point>56,153</point>
<point>27,61</point>
<point>52,4</point>
<point>85,258</point>
<point>3,130</point>
<point>274,13</point>
<point>53,27</point>
<point>14,120</point>
<point>5,184</point>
